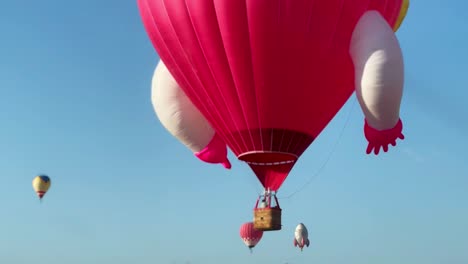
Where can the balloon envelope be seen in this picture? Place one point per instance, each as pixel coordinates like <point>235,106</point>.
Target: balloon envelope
<point>269,75</point>
<point>41,185</point>
<point>250,235</point>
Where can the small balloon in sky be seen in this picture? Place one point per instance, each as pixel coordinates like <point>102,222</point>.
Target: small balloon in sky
<point>301,236</point>
<point>41,185</point>
<point>250,235</point>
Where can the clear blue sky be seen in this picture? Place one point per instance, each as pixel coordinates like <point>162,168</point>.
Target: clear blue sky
<point>75,104</point>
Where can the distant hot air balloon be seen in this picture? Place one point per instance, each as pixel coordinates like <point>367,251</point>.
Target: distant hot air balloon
<point>269,75</point>
<point>184,121</point>
<point>41,185</point>
<point>250,235</point>
<point>301,236</point>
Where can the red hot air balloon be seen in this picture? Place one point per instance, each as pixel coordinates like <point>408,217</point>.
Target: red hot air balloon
<point>250,235</point>
<point>269,75</point>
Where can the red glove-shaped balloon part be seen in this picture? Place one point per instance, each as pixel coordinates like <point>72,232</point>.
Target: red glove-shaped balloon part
<point>382,138</point>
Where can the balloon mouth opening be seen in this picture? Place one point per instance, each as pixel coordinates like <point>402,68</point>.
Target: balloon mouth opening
<point>40,194</point>
<point>267,158</point>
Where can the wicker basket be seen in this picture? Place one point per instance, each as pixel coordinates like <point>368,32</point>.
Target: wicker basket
<point>267,219</point>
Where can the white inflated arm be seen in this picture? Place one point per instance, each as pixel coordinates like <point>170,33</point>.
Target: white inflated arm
<point>379,70</point>
<point>177,113</point>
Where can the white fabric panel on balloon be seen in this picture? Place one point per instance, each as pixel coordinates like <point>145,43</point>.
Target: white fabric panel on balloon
<point>183,120</point>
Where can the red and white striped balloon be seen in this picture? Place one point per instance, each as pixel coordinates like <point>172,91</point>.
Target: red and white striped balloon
<point>250,235</point>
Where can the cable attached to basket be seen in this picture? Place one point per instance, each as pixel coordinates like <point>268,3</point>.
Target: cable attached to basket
<point>317,173</point>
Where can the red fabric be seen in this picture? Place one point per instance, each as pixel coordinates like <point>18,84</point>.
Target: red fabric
<point>250,234</point>
<point>40,194</point>
<point>269,75</point>
<point>382,138</point>
<point>215,152</point>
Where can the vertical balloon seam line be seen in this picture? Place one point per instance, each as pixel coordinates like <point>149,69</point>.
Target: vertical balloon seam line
<point>332,151</point>
<point>238,100</point>
<point>294,142</point>
<point>188,84</point>
<point>282,139</point>
<point>299,143</point>
<point>257,104</point>
<point>289,144</point>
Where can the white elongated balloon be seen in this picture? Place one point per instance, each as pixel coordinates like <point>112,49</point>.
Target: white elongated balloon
<point>183,120</point>
<point>379,73</point>
<point>301,236</point>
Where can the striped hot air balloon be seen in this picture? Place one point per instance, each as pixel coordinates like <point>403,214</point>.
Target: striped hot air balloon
<point>41,185</point>
<point>250,235</point>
